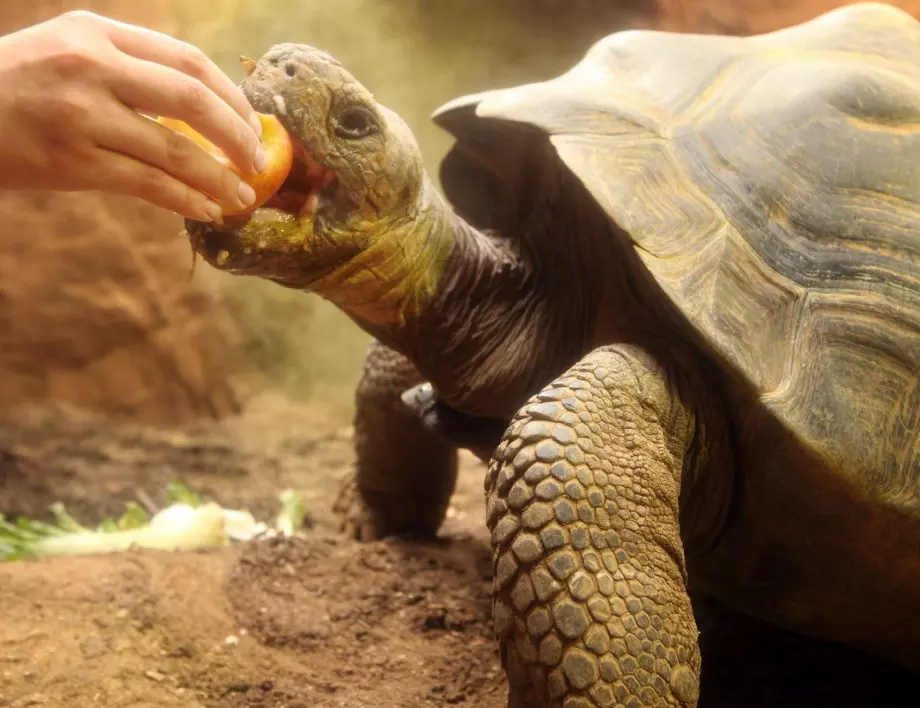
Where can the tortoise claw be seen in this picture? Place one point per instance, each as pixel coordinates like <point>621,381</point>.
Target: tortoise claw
<point>357,520</point>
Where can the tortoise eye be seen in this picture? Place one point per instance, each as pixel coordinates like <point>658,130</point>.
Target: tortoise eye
<point>355,123</point>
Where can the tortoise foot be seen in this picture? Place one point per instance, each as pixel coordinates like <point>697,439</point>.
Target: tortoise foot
<point>357,519</point>
<point>404,474</point>
<point>366,516</point>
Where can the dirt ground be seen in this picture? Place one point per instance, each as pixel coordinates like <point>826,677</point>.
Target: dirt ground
<point>314,622</point>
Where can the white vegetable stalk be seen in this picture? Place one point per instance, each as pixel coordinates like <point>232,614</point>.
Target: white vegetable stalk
<point>176,528</point>
<point>185,525</point>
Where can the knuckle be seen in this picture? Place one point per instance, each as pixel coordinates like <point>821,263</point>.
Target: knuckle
<point>228,181</point>
<point>74,59</point>
<point>245,137</point>
<point>195,99</point>
<point>153,182</point>
<point>80,154</point>
<point>76,160</point>
<point>179,150</point>
<point>186,161</point>
<point>72,107</point>
<point>194,62</point>
<point>81,17</point>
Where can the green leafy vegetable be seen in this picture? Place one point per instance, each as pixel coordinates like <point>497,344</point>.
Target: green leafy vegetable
<point>179,493</point>
<point>293,514</point>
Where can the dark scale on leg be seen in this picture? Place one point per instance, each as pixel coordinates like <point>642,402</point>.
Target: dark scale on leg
<point>404,474</point>
<point>582,500</point>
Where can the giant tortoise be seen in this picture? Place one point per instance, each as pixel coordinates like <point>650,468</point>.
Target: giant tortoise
<point>684,277</point>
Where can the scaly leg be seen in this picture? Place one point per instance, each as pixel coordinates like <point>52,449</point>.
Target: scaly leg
<point>404,474</point>
<point>590,601</point>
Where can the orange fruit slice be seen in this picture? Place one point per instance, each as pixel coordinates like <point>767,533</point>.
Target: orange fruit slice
<point>278,146</point>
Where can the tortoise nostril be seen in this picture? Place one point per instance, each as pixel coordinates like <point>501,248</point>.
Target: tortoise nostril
<point>290,69</point>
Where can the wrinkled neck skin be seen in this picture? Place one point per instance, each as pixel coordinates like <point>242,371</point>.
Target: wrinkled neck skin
<point>471,312</point>
<point>395,271</point>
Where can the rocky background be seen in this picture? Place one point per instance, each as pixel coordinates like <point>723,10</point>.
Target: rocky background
<point>97,305</point>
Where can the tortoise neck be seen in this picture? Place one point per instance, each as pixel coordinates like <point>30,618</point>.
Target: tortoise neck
<point>396,273</point>
<point>472,296</point>
<point>501,313</point>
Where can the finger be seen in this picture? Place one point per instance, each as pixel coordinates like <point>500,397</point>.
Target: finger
<point>125,132</point>
<point>125,175</point>
<point>156,89</point>
<point>152,46</point>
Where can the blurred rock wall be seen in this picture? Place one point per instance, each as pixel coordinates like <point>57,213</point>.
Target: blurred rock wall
<point>96,307</point>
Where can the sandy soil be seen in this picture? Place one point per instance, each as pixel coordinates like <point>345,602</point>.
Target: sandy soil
<point>315,622</point>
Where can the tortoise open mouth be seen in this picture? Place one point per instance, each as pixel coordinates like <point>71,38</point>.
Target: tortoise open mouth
<point>255,239</point>
<point>300,194</point>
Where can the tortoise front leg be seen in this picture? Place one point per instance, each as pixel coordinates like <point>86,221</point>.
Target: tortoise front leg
<point>404,474</point>
<point>590,600</point>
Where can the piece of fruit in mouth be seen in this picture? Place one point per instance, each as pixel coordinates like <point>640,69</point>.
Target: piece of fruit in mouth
<point>277,144</point>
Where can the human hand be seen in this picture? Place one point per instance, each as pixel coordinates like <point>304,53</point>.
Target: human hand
<point>72,90</point>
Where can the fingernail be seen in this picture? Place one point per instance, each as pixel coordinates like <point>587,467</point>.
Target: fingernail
<point>256,124</point>
<point>214,212</point>
<point>247,194</point>
<point>261,160</point>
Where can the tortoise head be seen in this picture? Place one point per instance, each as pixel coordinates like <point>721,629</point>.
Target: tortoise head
<point>338,225</point>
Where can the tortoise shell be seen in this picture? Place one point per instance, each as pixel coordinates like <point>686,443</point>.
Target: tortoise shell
<point>771,187</point>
